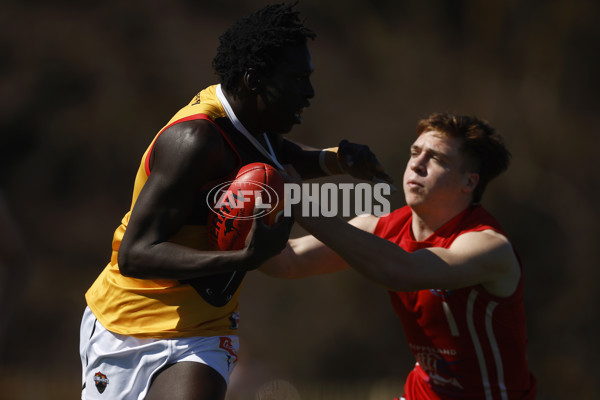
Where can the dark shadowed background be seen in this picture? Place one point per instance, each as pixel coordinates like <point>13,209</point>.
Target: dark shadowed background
<point>84,86</point>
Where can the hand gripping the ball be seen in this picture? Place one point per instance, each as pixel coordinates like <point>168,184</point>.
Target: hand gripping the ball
<point>266,241</point>
<point>257,193</point>
<point>249,215</point>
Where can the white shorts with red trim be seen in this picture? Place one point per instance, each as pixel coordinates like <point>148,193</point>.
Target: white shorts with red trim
<point>122,367</point>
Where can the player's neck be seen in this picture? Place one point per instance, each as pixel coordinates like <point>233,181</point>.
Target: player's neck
<point>244,111</point>
<point>421,228</point>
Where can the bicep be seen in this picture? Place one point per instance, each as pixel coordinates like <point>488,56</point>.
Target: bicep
<point>366,222</point>
<point>183,161</point>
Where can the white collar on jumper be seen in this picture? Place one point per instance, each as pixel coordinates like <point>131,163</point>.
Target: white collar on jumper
<point>270,154</point>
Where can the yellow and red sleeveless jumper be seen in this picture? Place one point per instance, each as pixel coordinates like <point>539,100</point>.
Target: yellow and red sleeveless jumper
<point>171,308</point>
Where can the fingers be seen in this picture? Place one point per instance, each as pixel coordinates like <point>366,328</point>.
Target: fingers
<point>380,180</point>
<point>277,235</point>
<point>266,242</point>
<point>360,162</point>
<point>380,175</point>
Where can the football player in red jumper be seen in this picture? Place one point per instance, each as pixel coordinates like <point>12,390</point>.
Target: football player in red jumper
<point>454,279</point>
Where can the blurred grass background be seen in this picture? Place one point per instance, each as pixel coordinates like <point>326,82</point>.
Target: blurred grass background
<point>85,85</point>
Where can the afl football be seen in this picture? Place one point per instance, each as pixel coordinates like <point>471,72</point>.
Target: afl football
<point>256,192</point>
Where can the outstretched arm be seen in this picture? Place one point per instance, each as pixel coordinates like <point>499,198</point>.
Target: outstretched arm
<point>354,159</point>
<point>474,258</point>
<point>308,256</point>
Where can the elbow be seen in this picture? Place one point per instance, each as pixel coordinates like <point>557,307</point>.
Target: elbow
<point>282,266</point>
<point>129,261</point>
<point>124,262</point>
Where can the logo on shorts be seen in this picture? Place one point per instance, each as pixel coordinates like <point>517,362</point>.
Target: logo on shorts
<point>101,381</point>
<point>227,345</point>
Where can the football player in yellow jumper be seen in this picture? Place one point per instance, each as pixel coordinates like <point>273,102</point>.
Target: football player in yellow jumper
<point>161,318</point>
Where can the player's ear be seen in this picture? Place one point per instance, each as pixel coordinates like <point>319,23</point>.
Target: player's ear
<point>472,179</point>
<point>251,80</point>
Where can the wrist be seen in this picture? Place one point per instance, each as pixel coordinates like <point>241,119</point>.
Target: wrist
<point>329,161</point>
<point>246,258</point>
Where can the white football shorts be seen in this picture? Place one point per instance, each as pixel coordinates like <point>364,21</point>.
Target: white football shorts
<point>119,367</point>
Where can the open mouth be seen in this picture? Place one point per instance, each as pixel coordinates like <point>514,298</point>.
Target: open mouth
<point>300,110</point>
<point>298,116</point>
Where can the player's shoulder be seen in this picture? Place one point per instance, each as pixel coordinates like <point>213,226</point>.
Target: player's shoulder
<point>187,148</point>
<point>484,241</point>
<point>366,222</point>
<point>396,217</point>
<point>198,135</point>
<point>485,233</point>
<point>492,252</point>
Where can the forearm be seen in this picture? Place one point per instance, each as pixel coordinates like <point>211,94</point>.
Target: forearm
<point>379,260</point>
<point>311,162</point>
<point>318,163</point>
<point>304,257</point>
<point>348,158</point>
<point>169,260</point>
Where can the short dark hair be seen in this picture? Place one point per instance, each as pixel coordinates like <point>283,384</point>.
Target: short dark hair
<point>255,42</point>
<point>483,148</point>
